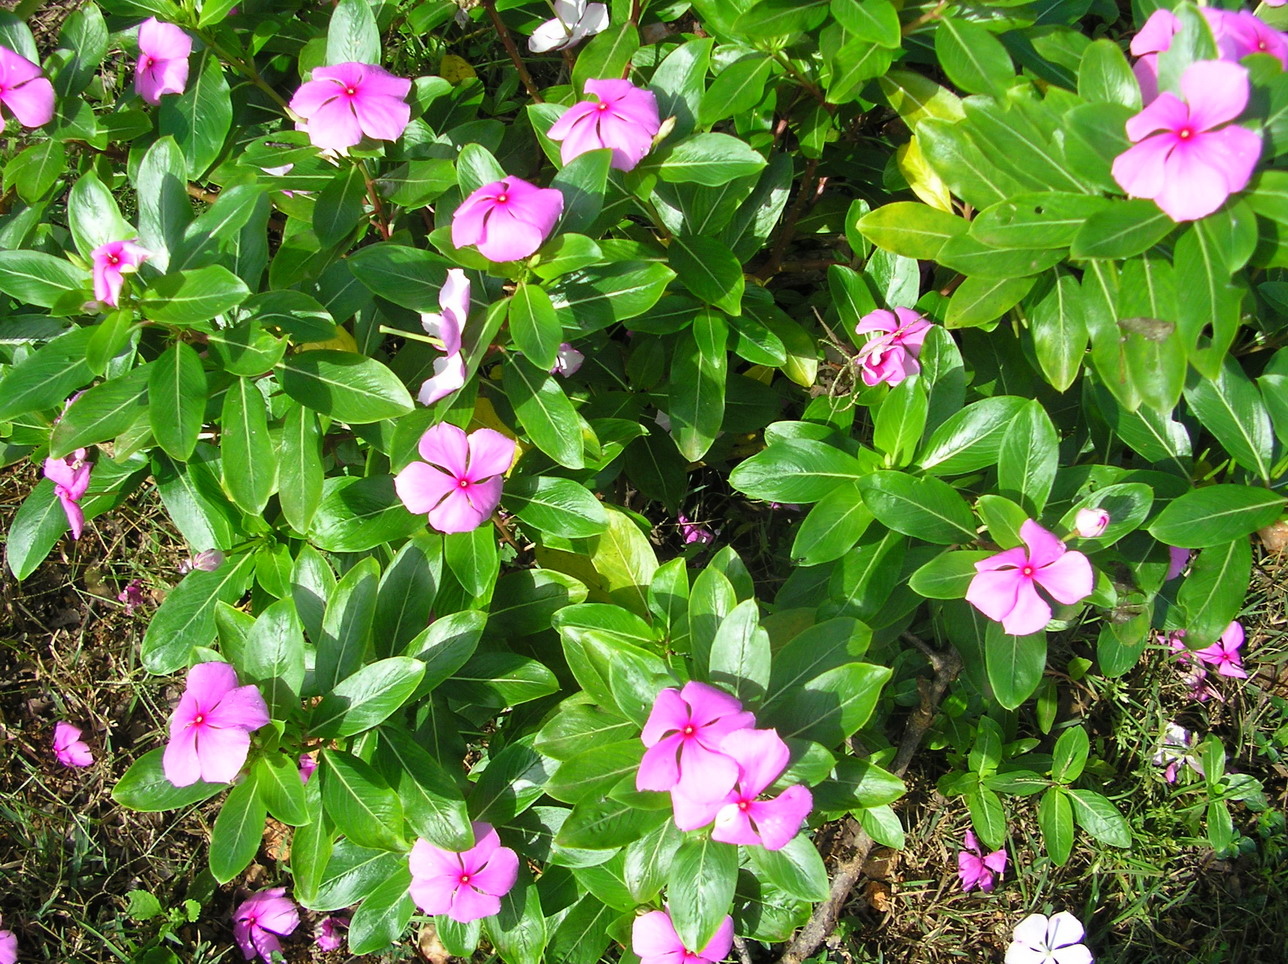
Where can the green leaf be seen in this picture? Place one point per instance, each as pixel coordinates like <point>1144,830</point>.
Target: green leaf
<point>708,159</point>
<point>970,439</point>
<point>1046,219</point>
<point>93,216</point>
<point>1215,515</point>
<point>409,277</point>
<point>367,697</point>
<point>595,770</point>
<point>900,420</point>
<point>795,471</point>
<point>177,396</point>
<point>347,386</point>
<point>603,296</point>
<point>46,376</point>
<point>796,869</point>
<point>300,473</point>
<point>362,805</point>
<point>696,401</point>
<point>1125,229</point>
<point>555,506</point>
<point>473,559</point>
<point>1015,664</point>
<point>352,36</point>
<point>857,784</point>
<point>519,929</point>
<point>738,87</point>
<point>988,816</point>
<point>446,645</point>
<point>911,229</point>
<point>199,119</point>
<point>500,679</point>
<point>274,656</point>
<point>1230,407</point>
<point>359,514</point>
<point>383,915</point>
<point>832,527</point>
<point>926,508</point>
<point>607,55</point>
<point>1028,457</point>
<point>625,561</point>
<point>35,170</point>
<point>144,787</point>
<point>1057,322</point>
<point>1069,756</point>
<point>39,279</point>
<point>278,778</point>
<point>1055,818</point>
<point>338,210</point>
<point>708,269</point>
<point>186,619</point>
<point>1214,590</point>
<point>740,654</point>
<point>237,832</point>
<point>777,18</point>
<point>1099,817</point>
<point>534,326</point>
<point>700,889</point>
<point>544,411</point>
<point>876,21</point>
<point>948,575</point>
<point>102,412</point>
<point>193,296</point>
<point>512,781</point>
<point>972,57</point>
<point>832,705</point>
<point>405,601</point>
<point>431,800</point>
<point>582,182</point>
<point>352,873</point>
<point>249,462</point>
<point>1104,75</point>
<point>346,626</point>
<point>607,825</point>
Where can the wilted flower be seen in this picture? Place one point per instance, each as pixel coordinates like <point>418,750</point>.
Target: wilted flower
<point>70,476</point>
<point>211,727</point>
<point>110,262</point>
<point>1090,523</point>
<point>446,326</point>
<point>131,595</point>
<point>208,560</point>
<point>69,749</point>
<point>567,360</point>
<point>1039,939</point>
<point>343,102</point>
<point>1224,653</point>
<point>1004,586</point>
<point>24,91</point>
<point>330,933</point>
<point>261,919</point>
<point>463,885</point>
<point>892,355</point>
<point>1175,749</point>
<point>622,118</point>
<point>654,941</point>
<point>163,60</point>
<point>574,21</point>
<point>459,483</point>
<point>683,734</point>
<point>507,220</point>
<point>975,868</point>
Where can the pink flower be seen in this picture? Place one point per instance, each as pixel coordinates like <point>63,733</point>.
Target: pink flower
<point>693,532</point>
<point>1176,748</point>
<point>8,947</point>
<point>307,766</point>
<point>574,21</point>
<point>131,595</point>
<point>740,817</point>
<point>211,727</point>
<point>261,919</point>
<point>69,749</point>
<point>459,483</point>
<point>892,355</point>
<point>1192,671</point>
<point>1041,940</point>
<point>1224,653</point>
<point>683,733</point>
<point>1178,559</point>
<point>1178,160</point>
<point>654,941</point>
<point>1004,585</point>
<point>342,103</point>
<point>208,560</point>
<point>567,360</point>
<point>330,933</point>
<point>1243,34</point>
<point>463,885</point>
<point>977,870</point>
<point>163,60</point>
<point>623,119</point>
<point>507,220</point>
<point>70,476</point>
<point>1154,36</point>
<point>24,91</point>
<point>110,262</point>
<point>1089,523</point>
<point>449,370</point>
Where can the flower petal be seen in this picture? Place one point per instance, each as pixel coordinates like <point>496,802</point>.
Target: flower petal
<point>653,937</point>
<point>381,117</point>
<point>779,820</point>
<point>1030,614</point>
<point>707,703</point>
<point>447,446</point>
<point>670,713</point>
<point>1044,547</point>
<point>692,814</point>
<point>1216,92</point>
<point>761,756</point>
<point>208,683</point>
<point>222,752</point>
<point>243,707</point>
<point>491,453</point>
<point>1031,931</point>
<point>659,769</point>
<point>469,904</point>
<point>428,860</point>
<point>448,377</point>
<point>704,774</point>
<point>1063,930</point>
<point>717,948</point>
<point>179,762</point>
<point>1069,579</point>
<point>457,513</point>
<point>994,593</point>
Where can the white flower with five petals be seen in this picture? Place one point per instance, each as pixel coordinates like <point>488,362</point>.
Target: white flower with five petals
<point>574,21</point>
<point>1039,939</point>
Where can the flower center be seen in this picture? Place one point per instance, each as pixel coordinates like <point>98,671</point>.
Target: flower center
<point>113,259</point>
<point>252,920</point>
<point>351,91</point>
<point>463,483</point>
<point>1027,571</point>
<point>148,62</point>
<point>1185,133</point>
<point>688,730</point>
<point>744,805</point>
<point>464,879</point>
<point>601,106</point>
<point>199,719</point>
<point>502,198</point>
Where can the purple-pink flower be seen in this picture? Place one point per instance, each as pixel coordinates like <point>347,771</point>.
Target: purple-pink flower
<point>1224,653</point>
<point>131,596</point>
<point>307,766</point>
<point>70,476</point>
<point>567,360</point>
<point>977,869</point>
<point>683,734</point>
<point>446,326</point>
<point>1177,747</point>
<point>693,532</point>
<point>1191,668</point>
<point>740,816</point>
<point>622,118</point>
<point>163,60</point>
<point>344,102</point>
<point>892,355</point>
<point>330,933</point>
<point>1178,159</point>
<point>1090,523</point>
<point>1236,33</point>
<point>8,947</point>
<point>207,560</point>
<point>1177,560</point>
<point>466,885</point>
<point>69,749</point>
<point>211,727</point>
<point>261,919</point>
<point>459,483</point>
<point>507,220</point>
<point>24,91</point>
<point>110,261</point>
<point>654,941</point>
<point>1004,587</point>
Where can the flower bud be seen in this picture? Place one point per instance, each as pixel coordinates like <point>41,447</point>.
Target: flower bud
<point>1089,523</point>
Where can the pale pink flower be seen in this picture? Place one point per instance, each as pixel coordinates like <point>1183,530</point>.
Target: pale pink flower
<point>1041,940</point>
<point>69,749</point>
<point>1224,653</point>
<point>110,262</point>
<point>1175,749</point>
<point>24,91</point>
<point>211,727</point>
<point>1178,160</point>
<point>574,21</point>
<point>1178,559</point>
<point>261,919</point>
<point>307,766</point>
<point>567,360</point>
<point>446,326</point>
<point>507,220</point>
<point>683,734</point>
<point>163,60</point>
<point>892,355</point>
<point>330,933</point>
<point>70,476</point>
<point>208,560</point>
<point>694,532</point>
<point>740,816</point>
<point>654,941</point>
<point>459,483</point>
<point>466,885</point>
<point>1004,585</point>
<point>976,869</point>
<point>344,102</point>
<point>8,947</point>
<point>1090,523</point>
<point>622,118</point>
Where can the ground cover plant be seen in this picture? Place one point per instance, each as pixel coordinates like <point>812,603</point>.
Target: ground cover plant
<point>615,481</point>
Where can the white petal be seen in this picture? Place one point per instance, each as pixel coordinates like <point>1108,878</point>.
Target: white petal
<point>1031,931</point>
<point>551,35</point>
<point>1064,929</point>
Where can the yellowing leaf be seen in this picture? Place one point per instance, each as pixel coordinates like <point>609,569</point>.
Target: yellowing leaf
<point>456,70</point>
<point>921,177</point>
<point>343,341</point>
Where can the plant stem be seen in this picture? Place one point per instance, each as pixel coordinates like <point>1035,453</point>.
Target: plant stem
<point>788,229</point>
<point>512,50</point>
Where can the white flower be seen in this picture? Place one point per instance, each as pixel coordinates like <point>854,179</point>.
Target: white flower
<point>567,361</point>
<point>1041,940</point>
<point>574,21</point>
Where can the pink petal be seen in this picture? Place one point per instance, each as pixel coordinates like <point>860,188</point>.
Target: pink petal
<point>717,948</point>
<point>312,96</point>
<point>433,895</point>
<point>994,593</point>
<point>1156,33</point>
<point>500,873</point>
<point>241,934</point>
<point>969,870</point>
<point>242,707</point>
<point>208,683</point>
<point>60,472</point>
<point>454,299</point>
<point>448,377</point>
<point>709,704</point>
<point>996,861</point>
<point>266,943</point>
<point>878,320</point>
<point>692,814</point>
<point>659,770</point>
<point>381,83</point>
<point>75,515</point>
<point>1167,113</point>
<point>469,904</point>
<point>429,860</point>
<point>653,939</point>
<point>1216,92</point>
<point>279,915</point>
<point>1194,183</point>
<point>628,140</point>
<point>469,221</point>
<point>221,752</point>
<point>382,117</point>
<point>348,74</point>
<point>31,101</point>
<point>1140,170</point>
<point>457,513</point>
<point>421,487</point>
<point>566,121</point>
<point>163,41</point>
<point>15,68</point>
<point>1030,614</point>
<point>704,774</point>
<point>1146,71</point>
<point>509,236</point>
<point>179,762</point>
<point>333,126</point>
<point>445,445</point>
<point>1069,579</point>
<point>779,820</point>
<point>486,843</point>
<point>491,453</point>
<point>1014,558</point>
<point>485,496</point>
<point>670,713</point>
<point>761,756</point>
<point>1044,547</point>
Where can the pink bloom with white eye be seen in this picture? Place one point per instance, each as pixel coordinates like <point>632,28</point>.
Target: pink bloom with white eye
<point>574,21</point>
<point>70,476</point>
<point>163,60</point>
<point>1041,940</point>
<point>307,766</point>
<point>465,885</point>
<point>446,326</point>
<point>459,483</point>
<point>261,919</point>
<point>1177,560</point>
<point>567,360</point>
<point>1090,523</point>
<point>1004,585</point>
<point>507,220</point>
<point>110,261</point>
<point>654,941</point>
<point>69,749</point>
<point>740,816</point>
<point>1178,160</point>
<point>622,118</point>
<point>211,727</point>
<point>330,933</point>
<point>892,355</point>
<point>976,869</point>
<point>343,102</point>
<point>1224,653</point>
<point>1175,749</point>
<point>8,947</point>
<point>24,91</point>
<point>694,532</point>
<point>683,734</point>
